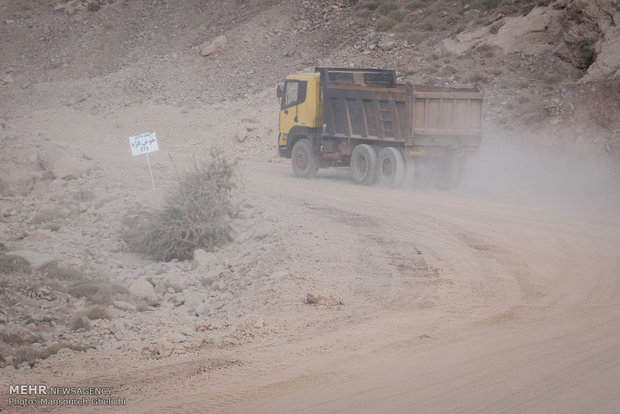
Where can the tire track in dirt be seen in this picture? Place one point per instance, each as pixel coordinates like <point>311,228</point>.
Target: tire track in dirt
<point>509,322</point>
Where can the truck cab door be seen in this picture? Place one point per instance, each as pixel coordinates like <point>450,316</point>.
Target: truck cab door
<point>293,95</point>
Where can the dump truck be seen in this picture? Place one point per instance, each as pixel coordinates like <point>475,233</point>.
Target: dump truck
<point>382,129</point>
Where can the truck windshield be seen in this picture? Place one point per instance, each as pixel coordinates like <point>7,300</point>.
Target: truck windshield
<point>294,93</point>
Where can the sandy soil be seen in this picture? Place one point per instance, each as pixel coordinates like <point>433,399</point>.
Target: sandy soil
<point>521,314</point>
<point>433,301</point>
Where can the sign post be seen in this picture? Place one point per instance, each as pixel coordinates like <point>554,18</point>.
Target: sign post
<point>143,144</point>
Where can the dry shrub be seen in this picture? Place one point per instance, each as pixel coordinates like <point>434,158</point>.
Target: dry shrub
<point>432,24</point>
<point>13,264</point>
<point>56,272</point>
<point>97,312</point>
<point>17,335</point>
<point>416,37</point>
<point>508,7</point>
<point>553,78</point>
<point>32,355</point>
<point>80,322</point>
<point>477,77</point>
<point>523,99</point>
<point>387,8</point>
<point>25,354</point>
<point>48,215</point>
<point>193,217</point>
<point>415,4</point>
<point>369,5</point>
<point>385,23</point>
<point>100,292</point>
<point>431,68</point>
<point>84,195</point>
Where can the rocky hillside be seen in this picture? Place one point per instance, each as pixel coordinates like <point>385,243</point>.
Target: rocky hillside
<point>544,65</point>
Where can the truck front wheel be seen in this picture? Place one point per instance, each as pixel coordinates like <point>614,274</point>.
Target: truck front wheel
<point>390,167</point>
<point>305,164</point>
<point>364,164</point>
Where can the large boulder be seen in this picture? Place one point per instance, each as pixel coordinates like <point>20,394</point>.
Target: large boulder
<point>534,33</point>
<point>583,24</point>
<point>607,63</point>
<point>581,32</point>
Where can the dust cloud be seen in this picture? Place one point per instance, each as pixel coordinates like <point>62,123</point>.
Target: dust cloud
<point>512,170</point>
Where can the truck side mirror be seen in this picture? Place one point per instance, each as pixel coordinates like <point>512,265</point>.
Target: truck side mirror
<point>279,91</point>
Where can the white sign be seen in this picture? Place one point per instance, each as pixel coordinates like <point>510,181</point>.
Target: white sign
<point>143,143</point>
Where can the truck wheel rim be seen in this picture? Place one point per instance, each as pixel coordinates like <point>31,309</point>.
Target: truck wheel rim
<point>301,160</point>
<point>360,164</point>
<point>387,168</point>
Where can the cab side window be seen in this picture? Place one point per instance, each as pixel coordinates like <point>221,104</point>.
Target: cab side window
<point>294,93</point>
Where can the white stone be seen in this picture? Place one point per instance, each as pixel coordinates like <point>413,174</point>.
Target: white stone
<point>203,258</point>
<point>193,302</point>
<point>216,45</point>
<point>143,289</point>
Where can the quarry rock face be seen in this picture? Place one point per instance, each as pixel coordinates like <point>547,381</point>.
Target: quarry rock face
<point>581,32</point>
<point>607,62</point>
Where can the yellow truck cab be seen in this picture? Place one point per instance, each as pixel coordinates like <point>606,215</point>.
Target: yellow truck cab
<point>300,109</point>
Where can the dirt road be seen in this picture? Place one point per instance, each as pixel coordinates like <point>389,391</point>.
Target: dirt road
<point>481,304</point>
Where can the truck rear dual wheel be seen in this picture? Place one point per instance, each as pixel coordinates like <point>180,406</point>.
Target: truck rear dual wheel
<point>364,164</point>
<point>305,162</point>
<point>390,167</point>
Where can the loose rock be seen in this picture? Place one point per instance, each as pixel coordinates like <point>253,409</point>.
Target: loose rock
<point>216,45</point>
<point>193,302</point>
<point>203,258</point>
<point>124,306</point>
<point>143,289</point>
<point>386,45</point>
<point>311,299</point>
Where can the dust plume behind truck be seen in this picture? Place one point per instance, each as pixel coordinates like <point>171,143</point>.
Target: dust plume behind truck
<point>383,130</point>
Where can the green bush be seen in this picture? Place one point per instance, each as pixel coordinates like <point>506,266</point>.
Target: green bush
<point>193,217</point>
